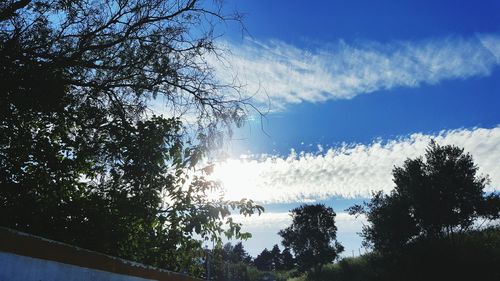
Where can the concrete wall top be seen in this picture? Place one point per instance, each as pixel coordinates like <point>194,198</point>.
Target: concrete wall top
<point>24,244</point>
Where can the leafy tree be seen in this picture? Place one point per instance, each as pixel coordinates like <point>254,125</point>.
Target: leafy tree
<point>115,54</point>
<point>391,226</point>
<point>312,236</point>
<point>434,197</point>
<point>82,158</point>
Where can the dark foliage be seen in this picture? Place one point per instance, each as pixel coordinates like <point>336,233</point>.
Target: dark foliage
<point>116,55</point>
<point>236,253</point>
<point>275,260</point>
<point>82,159</point>
<point>288,261</point>
<point>312,236</point>
<point>264,261</point>
<point>475,258</point>
<point>231,263</point>
<point>435,198</point>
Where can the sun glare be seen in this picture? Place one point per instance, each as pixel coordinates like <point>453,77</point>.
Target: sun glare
<point>237,178</point>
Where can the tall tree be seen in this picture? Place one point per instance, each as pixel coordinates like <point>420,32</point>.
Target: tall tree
<point>312,236</point>
<point>239,254</point>
<point>433,198</point>
<point>264,261</point>
<point>276,257</point>
<point>229,262</point>
<point>288,260</point>
<point>83,159</point>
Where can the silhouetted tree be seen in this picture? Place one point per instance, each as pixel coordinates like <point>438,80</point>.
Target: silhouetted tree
<point>82,158</point>
<point>288,260</point>
<point>312,236</point>
<point>236,253</point>
<point>264,261</point>
<point>434,197</point>
<point>276,256</point>
<point>391,226</point>
<point>229,262</point>
<point>115,54</point>
<point>239,254</point>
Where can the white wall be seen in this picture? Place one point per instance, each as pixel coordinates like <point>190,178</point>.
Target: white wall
<point>20,268</point>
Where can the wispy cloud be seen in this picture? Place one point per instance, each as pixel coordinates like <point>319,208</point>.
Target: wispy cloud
<point>282,74</point>
<point>281,220</point>
<point>350,170</point>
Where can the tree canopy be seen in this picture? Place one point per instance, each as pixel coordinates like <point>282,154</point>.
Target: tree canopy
<point>264,261</point>
<point>275,259</point>
<point>434,197</point>
<point>236,253</point>
<point>287,259</point>
<point>115,55</point>
<point>312,236</point>
<point>83,158</point>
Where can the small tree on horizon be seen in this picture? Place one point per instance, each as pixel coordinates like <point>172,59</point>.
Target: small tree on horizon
<point>312,237</point>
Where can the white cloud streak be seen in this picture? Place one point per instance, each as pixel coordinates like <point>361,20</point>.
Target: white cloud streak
<point>350,170</point>
<point>281,220</point>
<point>282,74</point>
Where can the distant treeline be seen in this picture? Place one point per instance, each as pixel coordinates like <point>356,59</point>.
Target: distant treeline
<point>473,255</point>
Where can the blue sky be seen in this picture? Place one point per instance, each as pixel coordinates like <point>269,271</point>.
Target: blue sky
<point>352,88</point>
